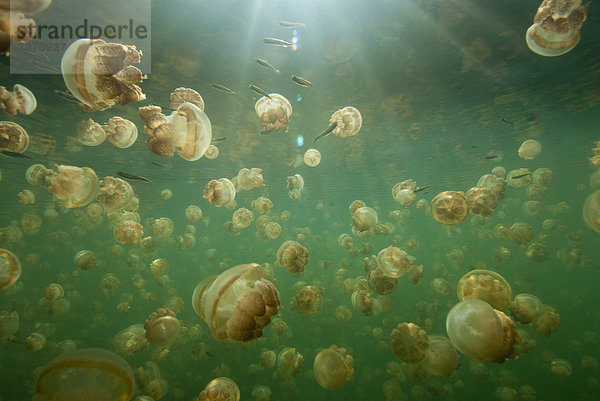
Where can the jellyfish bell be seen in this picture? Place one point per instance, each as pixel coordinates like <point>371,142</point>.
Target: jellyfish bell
<point>183,95</point>
<point>274,113</point>
<point>591,211</point>
<point>100,74</point>
<point>75,186</point>
<point>10,269</point>
<point>220,192</point>
<point>449,208</point>
<point>347,120</point>
<point>289,361</point>
<point>308,300</point>
<point>333,367</point>
<point>486,285</point>
<point>90,133</point>
<point>162,327</point>
<point>292,256</point>
<point>441,358</point>
<point>20,100</point>
<point>120,132</point>
<point>364,218</point>
<point>409,342</point>
<point>80,373</point>
<point>13,137</point>
<point>556,25</point>
<point>220,389</point>
<point>525,308</point>
<point>394,261</point>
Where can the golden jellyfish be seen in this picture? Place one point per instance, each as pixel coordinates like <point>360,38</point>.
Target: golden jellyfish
<point>542,176</point>
<point>220,389</point>
<point>394,261</point>
<point>212,152</point>
<point>312,157</point>
<point>182,95</point>
<point>449,208</point>
<point>556,25</point>
<point>10,269</point>
<point>480,331</point>
<point>381,283</point>
<point>90,133</point>
<point>548,322</point>
<point>481,201</point>
<point>163,227</point>
<point>355,205</point>
<point>343,313</point>
<point>75,186</point>
<point>35,342</point>
<point>274,113</point>
<point>9,324</point>
<point>591,211</point>
<point>186,131</point>
<point>525,308</point>
<point>333,367</point>
<point>308,300</point>
<point>166,194</point>
<point>13,137</point>
<point>262,205</point>
<point>248,179</point>
<point>19,100</point>
<point>441,358</point>
<point>496,184</point>
<point>114,193</point>
<point>78,374</point>
<point>261,392</point>
<point>53,292</point>
<point>100,74</point>
<point>364,302</point>
<point>404,192</point>
<point>149,379</point>
<point>289,361</point>
<point>238,303</point>
<point>561,368</point>
<point>162,327</point>
<point>292,256</point>
<point>273,230</point>
<point>409,342</point>
<point>128,232</point>
<point>486,285</point>
<point>345,122</point>
<point>530,149</point>
<point>242,217</point>
<point>219,192</point>
<point>120,132</point>
<point>520,177</point>
<point>26,197</point>
<point>364,218</point>
<point>160,267</point>
<point>85,259</point>
<point>295,185</point>
<point>440,287</point>
<point>521,233</point>
<point>193,213</point>
<point>268,358</point>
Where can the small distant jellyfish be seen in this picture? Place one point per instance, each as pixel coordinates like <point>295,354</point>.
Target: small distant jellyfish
<point>120,132</point>
<point>404,192</point>
<point>220,389</point>
<point>19,100</point>
<point>364,218</point>
<point>162,327</point>
<point>163,227</point>
<point>219,192</point>
<point>312,157</point>
<point>85,259</point>
<point>274,113</point>
<point>289,361</point>
<point>193,213</point>
<point>248,179</point>
<point>449,208</point>
<point>295,185</point>
<point>308,300</point>
<point>13,137</point>
<point>556,25</point>
<point>26,197</point>
<point>333,367</point>
<point>128,232</point>
<point>166,194</point>
<point>343,123</point>
<point>262,205</point>
<point>409,342</point>
<point>530,149</point>
<point>75,186</point>
<point>212,152</point>
<point>242,217</point>
<point>273,230</point>
<point>90,133</point>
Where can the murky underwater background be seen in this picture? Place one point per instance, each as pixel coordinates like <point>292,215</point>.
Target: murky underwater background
<point>432,80</point>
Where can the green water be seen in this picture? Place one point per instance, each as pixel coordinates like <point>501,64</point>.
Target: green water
<point>452,68</point>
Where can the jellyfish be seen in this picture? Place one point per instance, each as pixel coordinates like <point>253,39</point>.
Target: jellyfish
<point>481,201</point>
<point>10,269</point>
<point>150,381</point>
<point>561,368</point>
<point>409,342</point>
<point>13,137</point>
<point>183,95</point>
<point>90,133</point>
<point>114,193</point>
<point>77,374</point>
<point>262,205</point>
<point>128,232</point>
<point>261,393</point>
<point>9,324</point>
<point>525,308</point>
<point>248,179</point>
<point>394,261</point>
<point>382,283</point>
<point>449,208</point>
<point>163,227</point>
<point>521,233</point>
<point>362,301</point>
<point>100,74</point>
<point>530,149</point>
<point>520,177</point>
<point>364,218</point>
<point>274,112</point>
<point>591,211</point>
<point>193,213</point>
<point>312,157</point>
<point>556,25</point>
<point>212,152</point>
<point>120,132</point>
<point>19,100</point>
<point>292,256</point>
<point>186,131</point>
<point>496,184</point>
<point>220,389</point>
<point>404,192</point>
<point>289,361</point>
<point>480,331</point>
<point>162,327</point>
<point>85,259</point>
<point>238,303</point>
<point>308,300</point>
<point>487,286</point>
<point>343,123</point>
<point>35,342</point>
<point>547,322</point>
<point>441,358</point>
<point>333,367</point>
<point>242,217</point>
<point>219,192</point>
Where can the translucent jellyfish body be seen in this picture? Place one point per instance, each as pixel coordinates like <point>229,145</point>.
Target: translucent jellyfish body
<point>131,340</point>
<point>162,327</point>
<point>333,367</point>
<point>114,193</point>
<point>274,113</point>
<point>382,283</point>
<point>409,342</point>
<point>556,25</point>
<point>295,185</point>
<point>487,286</point>
<point>75,186</point>
<point>404,192</point>
<point>220,389</point>
<point>347,120</point>
<point>186,131</point>
<point>183,95</point>
<point>13,137</point>
<point>120,132</point>
<point>19,100</point>
<point>242,217</point>
<point>591,211</point>
<point>10,269</point>
<point>77,374</point>
<point>449,208</point>
<point>248,179</point>
<point>394,261</point>
<point>85,259</point>
<point>128,232</point>
<point>9,324</point>
<point>364,218</point>
<point>292,256</point>
<point>530,149</point>
<point>481,332</point>
<point>100,74</point>
<point>312,157</point>
<point>525,308</point>
<point>308,300</point>
<point>289,361</point>
<point>441,358</point>
<point>219,192</point>
<point>481,201</point>
<point>238,303</point>
<point>90,133</point>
